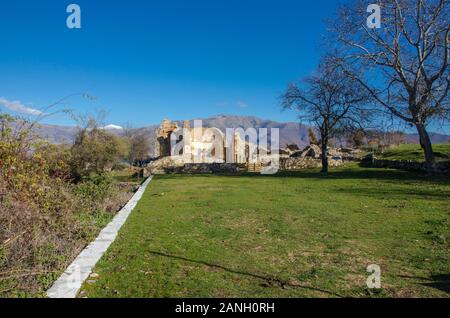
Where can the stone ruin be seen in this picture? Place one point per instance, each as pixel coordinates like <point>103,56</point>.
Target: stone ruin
<point>203,151</point>
<point>163,138</point>
<point>291,158</point>
<point>310,157</point>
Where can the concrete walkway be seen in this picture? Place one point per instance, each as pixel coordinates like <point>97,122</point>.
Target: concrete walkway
<point>69,283</point>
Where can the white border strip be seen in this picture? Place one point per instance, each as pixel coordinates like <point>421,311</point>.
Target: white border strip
<point>69,283</point>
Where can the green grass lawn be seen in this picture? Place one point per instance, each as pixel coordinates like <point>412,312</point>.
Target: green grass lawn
<point>291,235</point>
<point>415,152</point>
<point>127,175</point>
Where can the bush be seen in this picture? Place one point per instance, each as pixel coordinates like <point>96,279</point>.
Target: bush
<point>57,158</point>
<point>45,220</point>
<point>94,152</point>
<point>94,190</point>
<point>36,210</point>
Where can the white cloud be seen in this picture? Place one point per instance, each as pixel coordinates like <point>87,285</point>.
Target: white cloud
<point>242,104</point>
<point>17,106</point>
<point>111,127</point>
<point>222,104</point>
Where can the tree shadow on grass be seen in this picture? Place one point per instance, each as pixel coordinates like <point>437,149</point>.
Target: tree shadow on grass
<point>396,193</point>
<point>335,174</point>
<point>362,173</point>
<point>440,282</point>
<point>269,281</point>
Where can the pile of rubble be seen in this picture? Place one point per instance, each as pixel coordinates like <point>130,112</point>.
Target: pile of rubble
<point>311,151</point>
<point>310,157</point>
<point>290,159</point>
<point>165,165</point>
<point>314,151</point>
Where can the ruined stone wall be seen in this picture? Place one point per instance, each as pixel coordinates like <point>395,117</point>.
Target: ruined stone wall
<point>292,164</point>
<point>440,168</point>
<point>163,137</point>
<point>171,165</point>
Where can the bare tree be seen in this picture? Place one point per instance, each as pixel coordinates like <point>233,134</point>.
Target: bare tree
<point>356,138</point>
<point>330,100</point>
<point>394,138</point>
<point>139,149</point>
<point>404,63</point>
<point>138,145</point>
<point>312,137</point>
<point>23,130</point>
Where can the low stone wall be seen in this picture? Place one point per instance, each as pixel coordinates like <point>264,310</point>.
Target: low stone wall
<point>201,168</point>
<point>299,163</point>
<point>168,166</point>
<point>404,165</point>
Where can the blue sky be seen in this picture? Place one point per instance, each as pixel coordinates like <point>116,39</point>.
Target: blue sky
<point>149,60</point>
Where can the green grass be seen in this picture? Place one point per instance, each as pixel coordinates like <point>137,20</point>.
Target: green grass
<point>126,176</point>
<point>291,235</point>
<point>415,153</point>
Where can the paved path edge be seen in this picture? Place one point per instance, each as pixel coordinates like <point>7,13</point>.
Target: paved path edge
<point>69,283</point>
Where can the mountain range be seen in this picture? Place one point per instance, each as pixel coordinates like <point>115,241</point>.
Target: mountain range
<point>290,132</point>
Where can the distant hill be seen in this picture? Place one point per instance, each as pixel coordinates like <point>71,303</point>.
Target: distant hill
<point>57,134</point>
<point>435,138</point>
<point>290,132</point>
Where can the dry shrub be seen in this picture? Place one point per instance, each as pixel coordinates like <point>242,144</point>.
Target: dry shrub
<point>45,220</point>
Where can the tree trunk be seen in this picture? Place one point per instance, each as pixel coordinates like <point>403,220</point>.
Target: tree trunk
<point>425,143</point>
<point>324,146</point>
